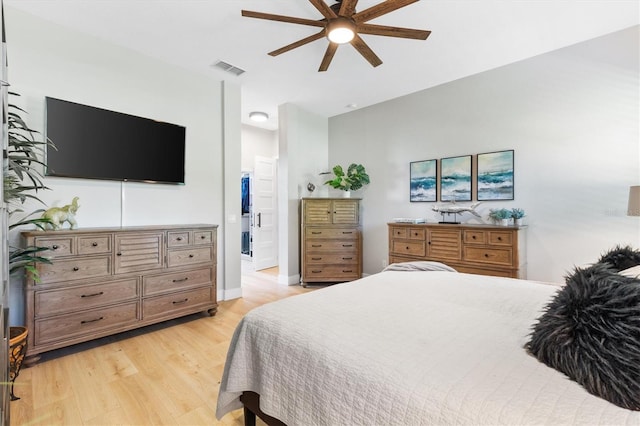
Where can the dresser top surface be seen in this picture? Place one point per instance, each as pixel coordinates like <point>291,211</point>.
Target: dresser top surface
<point>151,228</point>
<point>458,225</point>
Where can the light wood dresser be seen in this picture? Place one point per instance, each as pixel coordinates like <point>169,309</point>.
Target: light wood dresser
<point>475,249</point>
<point>331,234</point>
<point>104,281</point>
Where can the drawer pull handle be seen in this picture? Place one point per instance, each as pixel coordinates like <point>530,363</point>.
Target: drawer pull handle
<point>316,272</point>
<point>190,255</point>
<point>316,258</point>
<point>347,258</point>
<point>473,237</point>
<point>347,245</point>
<point>180,280</point>
<point>316,232</point>
<point>93,295</point>
<point>94,244</point>
<point>179,239</point>
<point>499,238</point>
<point>76,269</point>
<point>118,254</point>
<point>415,233</point>
<point>348,270</point>
<point>406,248</point>
<point>347,232</point>
<point>316,245</point>
<point>486,255</point>
<point>90,321</point>
<point>179,302</point>
<point>54,247</point>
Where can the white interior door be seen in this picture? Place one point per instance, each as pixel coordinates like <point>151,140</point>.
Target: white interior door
<point>265,233</point>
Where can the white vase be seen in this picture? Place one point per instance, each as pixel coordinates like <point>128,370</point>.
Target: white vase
<point>504,222</point>
<point>518,221</point>
<point>346,194</point>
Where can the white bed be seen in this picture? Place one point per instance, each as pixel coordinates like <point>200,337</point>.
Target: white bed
<point>406,348</point>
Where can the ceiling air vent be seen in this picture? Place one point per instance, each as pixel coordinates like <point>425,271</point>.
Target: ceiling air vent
<point>225,66</point>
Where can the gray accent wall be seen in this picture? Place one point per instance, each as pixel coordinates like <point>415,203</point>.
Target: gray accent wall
<point>572,117</point>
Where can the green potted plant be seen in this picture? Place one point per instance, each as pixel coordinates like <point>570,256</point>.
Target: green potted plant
<point>517,214</point>
<point>355,178</point>
<point>21,180</point>
<point>500,216</point>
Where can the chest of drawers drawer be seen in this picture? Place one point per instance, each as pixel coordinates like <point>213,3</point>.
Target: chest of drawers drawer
<point>58,246</point>
<point>97,244</point>
<point>54,302</point>
<point>324,258</point>
<point>407,247</point>
<point>331,233</point>
<point>346,272</point>
<point>191,256</point>
<point>184,300</point>
<point>75,269</point>
<point>496,256</point>
<point>84,323</point>
<point>313,246</point>
<point>156,284</point>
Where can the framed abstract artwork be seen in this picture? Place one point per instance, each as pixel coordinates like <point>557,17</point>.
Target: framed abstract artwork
<point>423,183</point>
<point>495,176</point>
<point>455,178</point>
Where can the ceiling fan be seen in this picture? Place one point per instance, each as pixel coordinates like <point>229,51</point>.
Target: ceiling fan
<point>342,24</point>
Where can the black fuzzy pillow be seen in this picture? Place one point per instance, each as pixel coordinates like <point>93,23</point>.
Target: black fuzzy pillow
<point>590,331</point>
<point>621,258</point>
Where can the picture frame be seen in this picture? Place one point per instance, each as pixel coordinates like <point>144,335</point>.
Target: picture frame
<point>423,181</point>
<point>455,178</point>
<point>495,179</point>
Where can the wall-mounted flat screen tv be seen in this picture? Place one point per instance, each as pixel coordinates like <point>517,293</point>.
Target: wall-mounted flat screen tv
<point>96,143</point>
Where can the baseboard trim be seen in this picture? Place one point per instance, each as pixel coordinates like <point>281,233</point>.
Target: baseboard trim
<point>289,279</point>
<point>230,294</point>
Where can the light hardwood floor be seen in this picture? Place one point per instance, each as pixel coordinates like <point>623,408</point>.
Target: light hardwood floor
<point>164,374</point>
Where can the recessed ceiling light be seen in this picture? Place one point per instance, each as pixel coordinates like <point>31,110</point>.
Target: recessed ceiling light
<point>259,116</point>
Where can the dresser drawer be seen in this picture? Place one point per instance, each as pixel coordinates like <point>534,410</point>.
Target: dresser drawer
<point>408,247</point>
<point>313,246</point>
<point>84,297</point>
<point>74,269</point>
<point>175,302</point>
<point>489,255</point>
<point>64,327</point>
<point>337,272</point>
<point>400,232</point>
<point>474,237</point>
<point>158,284</point>
<point>94,244</point>
<point>203,237</point>
<point>500,238</point>
<point>189,256</point>
<point>178,239</point>
<point>58,246</point>
<point>324,258</point>
<point>322,233</point>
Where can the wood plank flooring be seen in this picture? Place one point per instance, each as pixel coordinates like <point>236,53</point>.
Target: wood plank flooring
<point>164,374</point>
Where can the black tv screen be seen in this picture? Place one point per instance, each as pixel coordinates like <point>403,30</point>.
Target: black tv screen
<point>95,143</point>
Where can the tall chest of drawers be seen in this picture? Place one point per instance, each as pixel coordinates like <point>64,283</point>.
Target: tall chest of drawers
<point>104,281</point>
<point>331,240</point>
<point>476,249</point>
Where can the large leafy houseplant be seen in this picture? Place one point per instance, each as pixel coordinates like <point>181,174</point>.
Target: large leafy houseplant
<point>22,180</point>
<point>355,178</point>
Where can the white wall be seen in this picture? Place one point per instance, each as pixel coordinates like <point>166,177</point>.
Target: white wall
<point>257,141</point>
<point>572,117</point>
<point>48,60</point>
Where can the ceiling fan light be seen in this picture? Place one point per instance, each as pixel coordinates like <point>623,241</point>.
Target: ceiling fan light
<point>341,30</point>
<point>259,116</point>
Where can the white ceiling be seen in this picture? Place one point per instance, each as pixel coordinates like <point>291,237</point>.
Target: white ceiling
<point>468,36</point>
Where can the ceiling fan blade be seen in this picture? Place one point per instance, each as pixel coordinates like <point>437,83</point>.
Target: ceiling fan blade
<point>381,9</point>
<point>365,51</point>
<point>382,30</point>
<point>348,7</point>
<point>282,18</point>
<point>322,7</point>
<point>298,43</point>
<point>328,56</point>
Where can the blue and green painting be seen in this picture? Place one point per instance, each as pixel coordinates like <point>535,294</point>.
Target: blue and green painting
<point>455,182</point>
<point>423,180</point>
<point>495,176</point>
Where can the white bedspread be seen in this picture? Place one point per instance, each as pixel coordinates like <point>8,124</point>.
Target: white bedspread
<point>406,348</point>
